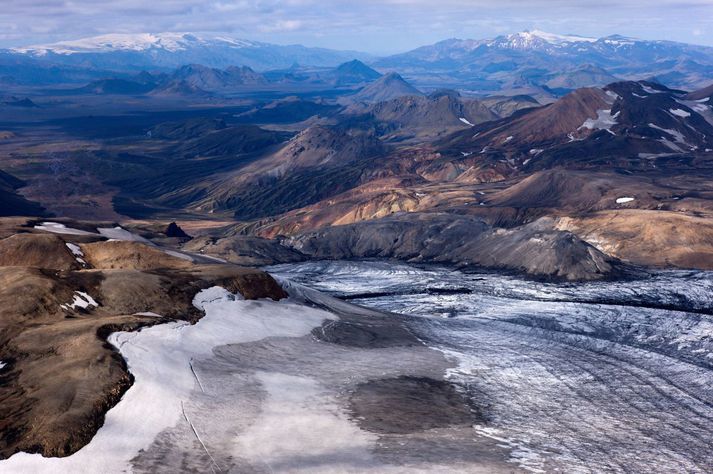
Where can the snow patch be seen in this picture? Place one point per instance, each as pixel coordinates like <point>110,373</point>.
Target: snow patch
<point>119,233</point>
<point>651,156</point>
<point>700,108</point>
<point>212,295</point>
<point>613,95</point>
<point>671,145</point>
<point>57,228</point>
<point>604,121</point>
<point>624,200</point>
<point>148,313</point>
<point>77,252</point>
<point>680,113</point>
<point>81,300</point>
<point>678,136</point>
<point>465,121</point>
<point>650,90</point>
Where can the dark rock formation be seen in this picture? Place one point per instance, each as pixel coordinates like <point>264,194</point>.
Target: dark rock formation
<point>534,249</point>
<point>174,230</point>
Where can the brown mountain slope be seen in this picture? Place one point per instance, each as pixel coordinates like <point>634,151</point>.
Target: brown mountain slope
<point>701,94</point>
<point>629,125</point>
<point>546,125</point>
<point>38,251</point>
<point>648,237</point>
<point>423,117</point>
<point>317,163</point>
<point>61,376</point>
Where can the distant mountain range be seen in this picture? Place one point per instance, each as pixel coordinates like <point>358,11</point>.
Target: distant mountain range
<point>172,50</point>
<point>198,80</point>
<point>542,59</point>
<point>540,64</point>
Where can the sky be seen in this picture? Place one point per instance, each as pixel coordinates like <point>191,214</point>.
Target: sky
<point>374,26</point>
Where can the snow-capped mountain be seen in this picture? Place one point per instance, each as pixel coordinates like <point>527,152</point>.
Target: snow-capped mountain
<point>630,124</point>
<point>171,50</point>
<point>537,39</point>
<point>171,42</point>
<point>538,57</point>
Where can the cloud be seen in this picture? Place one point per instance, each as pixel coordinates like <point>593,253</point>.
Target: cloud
<point>282,25</point>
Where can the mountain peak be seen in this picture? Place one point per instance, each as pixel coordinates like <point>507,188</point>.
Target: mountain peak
<point>359,68</point>
<point>355,72</point>
<point>354,63</point>
<point>535,38</point>
<point>387,87</point>
<point>392,77</point>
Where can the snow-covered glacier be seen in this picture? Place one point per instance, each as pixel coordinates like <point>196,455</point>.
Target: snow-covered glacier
<point>593,377</point>
<point>386,367</point>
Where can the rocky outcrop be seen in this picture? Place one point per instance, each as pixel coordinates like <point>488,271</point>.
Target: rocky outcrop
<point>174,230</point>
<point>245,250</point>
<point>533,249</point>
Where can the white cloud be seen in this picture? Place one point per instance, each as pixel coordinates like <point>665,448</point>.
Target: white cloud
<point>282,25</point>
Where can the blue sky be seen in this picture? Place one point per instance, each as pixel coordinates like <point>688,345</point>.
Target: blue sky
<point>380,27</point>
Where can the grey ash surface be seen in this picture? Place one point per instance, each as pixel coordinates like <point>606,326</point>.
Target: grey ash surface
<point>361,394</point>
